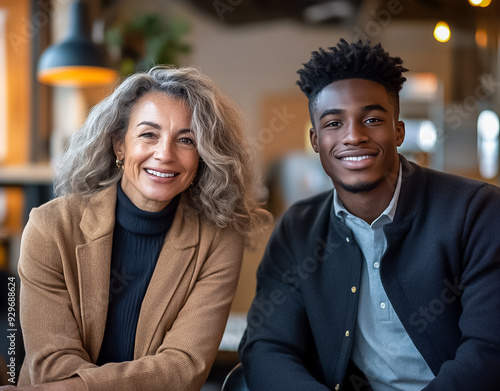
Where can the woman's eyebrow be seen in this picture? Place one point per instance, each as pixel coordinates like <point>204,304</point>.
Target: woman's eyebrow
<point>149,123</point>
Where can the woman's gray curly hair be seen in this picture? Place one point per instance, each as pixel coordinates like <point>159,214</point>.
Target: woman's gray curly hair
<point>226,187</point>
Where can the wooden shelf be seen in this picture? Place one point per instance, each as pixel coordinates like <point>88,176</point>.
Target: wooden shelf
<point>28,174</point>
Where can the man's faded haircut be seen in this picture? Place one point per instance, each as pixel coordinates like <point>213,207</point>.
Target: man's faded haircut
<point>352,61</point>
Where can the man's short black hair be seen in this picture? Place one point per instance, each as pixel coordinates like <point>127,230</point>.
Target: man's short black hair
<point>352,61</point>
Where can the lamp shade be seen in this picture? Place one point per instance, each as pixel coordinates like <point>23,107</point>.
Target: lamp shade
<point>76,61</point>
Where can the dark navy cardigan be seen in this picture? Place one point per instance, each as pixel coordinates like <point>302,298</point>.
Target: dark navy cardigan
<point>441,272</point>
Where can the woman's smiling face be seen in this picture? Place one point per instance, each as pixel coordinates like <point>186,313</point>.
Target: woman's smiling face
<point>159,151</point>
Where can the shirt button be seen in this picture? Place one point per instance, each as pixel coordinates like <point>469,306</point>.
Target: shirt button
<point>382,305</point>
<point>337,387</point>
<point>347,239</point>
<point>353,289</point>
<point>376,265</point>
<point>347,333</point>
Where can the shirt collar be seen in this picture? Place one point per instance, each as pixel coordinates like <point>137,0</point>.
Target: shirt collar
<point>341,212</point>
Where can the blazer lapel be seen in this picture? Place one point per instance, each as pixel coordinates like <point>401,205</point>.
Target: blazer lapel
<point>93,259</point>
<point>173,262</point>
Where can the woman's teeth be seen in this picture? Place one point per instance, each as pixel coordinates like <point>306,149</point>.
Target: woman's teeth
<point>160,174</point>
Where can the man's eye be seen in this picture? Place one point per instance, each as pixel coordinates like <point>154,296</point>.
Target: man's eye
<point>332,124</point>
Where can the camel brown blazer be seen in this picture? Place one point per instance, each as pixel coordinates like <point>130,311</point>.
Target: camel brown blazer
<point>66,284</point>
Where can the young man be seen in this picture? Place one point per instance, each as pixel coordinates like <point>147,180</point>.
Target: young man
<point>390,281</point>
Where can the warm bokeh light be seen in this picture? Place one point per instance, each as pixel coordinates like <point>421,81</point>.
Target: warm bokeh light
<point>442,32</point>
<point>421,85</point>
<point>78,76</point>
<point>480,3</point>
<point>481,38</point>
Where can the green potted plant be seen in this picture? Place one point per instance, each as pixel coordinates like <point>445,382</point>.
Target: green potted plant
<point>146,40</point>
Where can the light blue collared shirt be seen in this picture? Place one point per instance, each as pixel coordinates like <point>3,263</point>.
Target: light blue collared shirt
<point>382,349</point>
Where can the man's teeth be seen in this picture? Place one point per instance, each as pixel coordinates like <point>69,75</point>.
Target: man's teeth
<point>356,158</point>
<point>160,174</point>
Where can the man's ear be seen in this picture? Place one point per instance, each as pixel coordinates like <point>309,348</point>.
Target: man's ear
<point>314,139</point>
<point>400,133</point>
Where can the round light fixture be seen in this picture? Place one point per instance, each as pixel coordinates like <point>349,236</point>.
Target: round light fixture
<point>76,61</point>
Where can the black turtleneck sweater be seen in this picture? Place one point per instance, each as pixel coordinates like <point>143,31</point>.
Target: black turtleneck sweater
<point>138,238</point>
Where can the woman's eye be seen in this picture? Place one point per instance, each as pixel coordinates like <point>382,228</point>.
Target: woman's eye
<point>147,134</point>
<point>186,140</point>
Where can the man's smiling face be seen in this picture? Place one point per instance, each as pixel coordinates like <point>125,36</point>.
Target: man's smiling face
<point>356,133</point>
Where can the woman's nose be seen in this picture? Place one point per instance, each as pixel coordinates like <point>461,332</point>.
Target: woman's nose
<point>165,150</point>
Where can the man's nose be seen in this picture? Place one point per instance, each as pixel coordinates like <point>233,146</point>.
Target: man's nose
<point>355,133</point>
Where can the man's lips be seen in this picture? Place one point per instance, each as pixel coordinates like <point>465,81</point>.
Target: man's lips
<point>356,158</point>
<point>161,174</point>
<point>356,155</point>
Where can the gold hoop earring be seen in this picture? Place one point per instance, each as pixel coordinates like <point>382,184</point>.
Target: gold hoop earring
<point>119,163</point>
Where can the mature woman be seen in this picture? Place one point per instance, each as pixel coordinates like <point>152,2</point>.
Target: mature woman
<point>128,277</point>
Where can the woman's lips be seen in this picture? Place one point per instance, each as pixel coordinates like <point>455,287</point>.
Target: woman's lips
<point>160,174</point>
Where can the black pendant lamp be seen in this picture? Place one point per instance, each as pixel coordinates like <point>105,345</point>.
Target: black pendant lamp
<point>76,61</point>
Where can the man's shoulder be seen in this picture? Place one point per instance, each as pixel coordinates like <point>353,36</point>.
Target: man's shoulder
<point>453,183</point>
<point>426,189</point>
<point>310,213</point>
<point>314,203</point>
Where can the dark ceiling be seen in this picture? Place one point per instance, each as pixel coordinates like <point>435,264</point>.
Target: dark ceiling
<point>250,11</point>
<point>238,12</point>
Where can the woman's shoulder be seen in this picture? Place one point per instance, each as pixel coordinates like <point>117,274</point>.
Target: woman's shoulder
<point>68,210</point>
<point>58,209</point>
<point>206,228</point>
